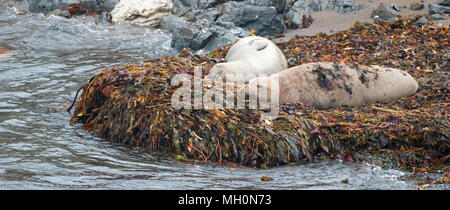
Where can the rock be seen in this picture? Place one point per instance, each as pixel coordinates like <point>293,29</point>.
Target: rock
<point>201,34</point>
<point>264,20</point>
<point>296,21</point>
<point>292,61</point>
<point>107,5</point>
<point>346,6</point>
<point>181,7</point>
<point>183,32</point>
<point>307,21</point>
<point>395,7</point>
<point>343,6</point>
<point>445,3</point>
<point>91,5</point>
<point>421,21</point>
<point>385,13</point>
<point>438,9</point>
<point>105,17</point>
<point>416,6</point>
<point>377,18</point>
<point>141,12</point>
<point>264,16</point>
<point>437,17</point>
<point>45,6</point>
<point>61,13</point>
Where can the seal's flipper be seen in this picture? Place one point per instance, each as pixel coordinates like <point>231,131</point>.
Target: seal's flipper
<point>259,44</point>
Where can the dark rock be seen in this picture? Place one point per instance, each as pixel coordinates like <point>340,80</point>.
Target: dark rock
<point>301,7</point>
<point>61,13</point>
<point>421,21</point>
<point>437,17</point>
<point>91,5</point>
<point>293,20</point>
<point>346,6</point>
<point>45,6</point>
<point>315,5</point>
<point>264,20</point>
<point>385,13</point>
<point>438,9</point>
<point>445,3</point>
<point>183,32</point>
<point>264,16</point>
<point>343,6</point>
<point>201,34</point>
<point>181,7</point>
<point>307,21</point>
<point>107,5</point>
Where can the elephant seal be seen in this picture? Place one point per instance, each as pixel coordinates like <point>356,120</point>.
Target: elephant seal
<point>326,85</point>
<point>249,58</point>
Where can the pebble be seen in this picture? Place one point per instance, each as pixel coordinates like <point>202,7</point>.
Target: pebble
<point>422,21</point>
<point>292,61</point>
<point>437,17</point>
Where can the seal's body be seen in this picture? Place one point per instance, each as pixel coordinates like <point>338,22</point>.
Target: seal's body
<point>327,85</point>
<point>249,58</point>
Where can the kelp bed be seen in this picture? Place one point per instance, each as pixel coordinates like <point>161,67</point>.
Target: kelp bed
<point>130,104</point>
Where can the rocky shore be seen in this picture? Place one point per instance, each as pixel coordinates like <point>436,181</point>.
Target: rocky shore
<point>207,24</point>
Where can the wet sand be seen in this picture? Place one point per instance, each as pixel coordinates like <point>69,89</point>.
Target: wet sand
<point>330,21</point>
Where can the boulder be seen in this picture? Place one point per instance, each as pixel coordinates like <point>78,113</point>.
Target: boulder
<point>293,20</point>
<point>438,9</point>
<point>141,12</point>
<point>60,13</point>
<point>45,6</point>
<point>107,5</point>
<point>346,6</point>
<point>202,34</point>
<point>264,20</point>
<point>385,13</point>
<point>437,17</point>
<point>421,21</point>
<point>445,3</point>
<point>343,6</point>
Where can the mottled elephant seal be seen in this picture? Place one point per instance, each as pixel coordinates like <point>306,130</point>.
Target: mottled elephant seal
<point>249,58</point>
<point>327,85</point>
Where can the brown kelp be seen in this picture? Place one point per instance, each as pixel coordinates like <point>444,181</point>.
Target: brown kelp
<point>131,104</point>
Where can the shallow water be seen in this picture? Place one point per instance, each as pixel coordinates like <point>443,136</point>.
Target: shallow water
<point>49,58</point>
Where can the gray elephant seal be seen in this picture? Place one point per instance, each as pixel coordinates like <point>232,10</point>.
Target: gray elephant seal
<point>327,85</point>
<point>249,58</point>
